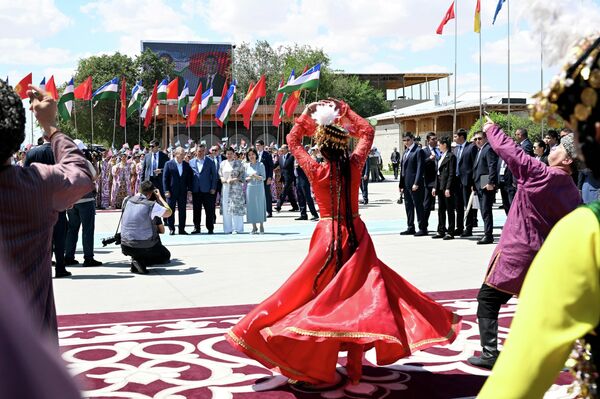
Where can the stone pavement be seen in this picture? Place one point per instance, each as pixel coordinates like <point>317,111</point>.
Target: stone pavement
<point>244,269</point>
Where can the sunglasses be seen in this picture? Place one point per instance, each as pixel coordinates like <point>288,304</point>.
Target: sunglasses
<point>478,138</point>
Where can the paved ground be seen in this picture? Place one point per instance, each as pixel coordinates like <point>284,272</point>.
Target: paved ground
<point>244,269</point>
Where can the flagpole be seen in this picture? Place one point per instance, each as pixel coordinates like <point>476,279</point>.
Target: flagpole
<point>114,125</point>
<point>154,111</point>
<point>140,129</point>
<point>177,128</point>
<point>455,60</point>
<point>92,123</point>
<point>211,127</point>
<point>125,129</point>
<point>75,117</point>
<point>31,112</point>
<point>542,72</point>
<point>508,14</point>
<point>480,78</point>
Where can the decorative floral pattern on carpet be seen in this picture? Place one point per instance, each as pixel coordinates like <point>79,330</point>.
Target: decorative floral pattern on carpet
<point>182,353</point>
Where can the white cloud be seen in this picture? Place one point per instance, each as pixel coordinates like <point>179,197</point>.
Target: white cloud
<point>31,18</point>
<point>61,75</point>
<point>29,52</point>
<point>425,42</point>
<point>523,50</point>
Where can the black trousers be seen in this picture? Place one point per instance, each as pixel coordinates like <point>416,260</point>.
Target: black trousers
<point>446,206</point>
<point>287,193</point>
<point>59,237</point>
<point>413,200</point>
<point>305,198</point>
<point>156,255</point>
<point>268,198</point>
<point>489,301</point>
<point>206,200</point>
<point>364,188</point>
<point>158,183</point>
<point>486,200</point>
<point>428,204</point>
<point>462,199</point>
<point>508,194</point>
<point>395,167</point>
<point>180,203</point>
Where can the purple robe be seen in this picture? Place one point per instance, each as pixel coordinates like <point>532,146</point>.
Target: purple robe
<point>30,199</point>
<point>544,195</point>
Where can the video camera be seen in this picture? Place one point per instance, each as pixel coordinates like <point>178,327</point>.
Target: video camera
<point>116,239</point>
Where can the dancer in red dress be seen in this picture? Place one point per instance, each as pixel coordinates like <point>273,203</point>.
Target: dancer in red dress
<point>342,297</point>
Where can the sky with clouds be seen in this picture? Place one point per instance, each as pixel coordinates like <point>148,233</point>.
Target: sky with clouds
<point>47,37</point>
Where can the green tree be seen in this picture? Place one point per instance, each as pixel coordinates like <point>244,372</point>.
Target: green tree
<point>146,66</point>
<point>516,121</point>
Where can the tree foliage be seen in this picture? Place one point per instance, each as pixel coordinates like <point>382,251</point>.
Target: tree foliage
<point>516,121</point>
<point>146,66</point>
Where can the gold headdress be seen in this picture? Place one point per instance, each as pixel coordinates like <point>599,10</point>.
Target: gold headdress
<point>329,134</point>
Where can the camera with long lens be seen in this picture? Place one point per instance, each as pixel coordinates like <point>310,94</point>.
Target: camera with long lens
<point>116,239</point>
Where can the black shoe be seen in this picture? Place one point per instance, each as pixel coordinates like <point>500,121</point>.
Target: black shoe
<point>421,233</point>
<point>314,218</point>
<point>457,232</point>
<point>467,233</point>
<point>172,232</point>
<point>91,262</point>
<point>302,218</point>
<point>137,267</point>
<point>408,232</point>
<point>448,237</point>
<point>196,230</point>
<point>438,235</point>
<point>210,232</point>
<point>269,215</point>
<point>488,336</point>
<point>61,273</point>
<point>277,210</point>
<point>183,233</point>
<point>485,240</point>
<point>69,262</point>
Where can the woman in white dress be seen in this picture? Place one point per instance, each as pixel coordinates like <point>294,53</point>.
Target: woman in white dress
<point>232,176</point>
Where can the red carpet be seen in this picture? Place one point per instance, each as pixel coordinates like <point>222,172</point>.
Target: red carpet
<point>181,353</point>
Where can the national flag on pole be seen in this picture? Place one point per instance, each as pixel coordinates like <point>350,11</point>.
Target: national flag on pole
<point>249,104</point>
<point>207,99</point>
<point>498,8</point>
<point>51,88</point>
<point>148,110</point>
<point>449,15</point>
<point>22,87</point>
<point>84,90</point>
<point>173,89</point>
<point>162,90</point>
<point>43,84</point>
<point>222,115</point>
<point>278,101</point>
<point>477,23</point>
<point>184,98</point>
<point>108,91</point>
<point>290,104</point>
<point>261,91</point>
<point>65,104</point>
<point>135,102</point>
<point>123,119</point>
<point>308,80</point>
<point>195,107</point>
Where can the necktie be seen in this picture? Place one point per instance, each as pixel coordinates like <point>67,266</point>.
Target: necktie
<point>210,80</point>
<point>458,155</point>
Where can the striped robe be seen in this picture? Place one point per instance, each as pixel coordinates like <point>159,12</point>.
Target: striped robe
<point>30,199</point>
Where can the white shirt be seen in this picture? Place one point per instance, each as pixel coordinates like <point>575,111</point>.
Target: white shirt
<point>179,167</point>
<point>199,164</point>
<point>408,150</point>
<point>440,162</point>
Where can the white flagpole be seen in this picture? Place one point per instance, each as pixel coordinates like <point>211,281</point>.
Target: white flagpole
<point>455,60</point>
<point>114,125</point>
<point>75,118</point>
<point>508,15</point>
<point>92,123</point>
<point>480,77</point>
<point>542,72</point>
<point>211,127</point>
<point>32,121</point>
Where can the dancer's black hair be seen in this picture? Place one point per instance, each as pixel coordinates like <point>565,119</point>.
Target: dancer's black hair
<point>12,121</point>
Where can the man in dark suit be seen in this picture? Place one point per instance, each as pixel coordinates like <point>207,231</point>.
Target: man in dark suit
<point>412,182</point>
<point>523,140</point>
<point>177,180</point>
<point>364,182</point>
<point>154,164</point>
<point>286,164</point>
<point>506,184</point>
<point>432,155</point>
<point>485,182</point>
<point>465,153</point>
<point>204,188</point>
<point>43,154</point>
<point>395,159</point>
<point>446,187</point>
<point>267,160</point>
<point>304,194</point>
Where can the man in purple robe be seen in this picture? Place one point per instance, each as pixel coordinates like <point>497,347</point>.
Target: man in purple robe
<point>545,194</point>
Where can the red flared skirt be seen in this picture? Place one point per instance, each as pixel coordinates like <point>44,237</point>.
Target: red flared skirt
<point>299,333</point>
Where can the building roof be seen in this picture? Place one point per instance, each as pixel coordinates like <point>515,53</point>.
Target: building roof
<point>394,81</point>
<point>465,101</point>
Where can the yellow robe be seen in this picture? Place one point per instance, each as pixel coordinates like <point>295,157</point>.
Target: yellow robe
<point>559,303</point>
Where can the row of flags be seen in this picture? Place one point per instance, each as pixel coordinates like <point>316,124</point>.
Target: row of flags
<point>287,99</point>
<point>477,20</point>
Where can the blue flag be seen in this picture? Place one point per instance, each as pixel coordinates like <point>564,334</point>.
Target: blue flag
<point>498,8</point>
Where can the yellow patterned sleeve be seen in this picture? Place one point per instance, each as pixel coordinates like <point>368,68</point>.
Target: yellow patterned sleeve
<point>559,303</point>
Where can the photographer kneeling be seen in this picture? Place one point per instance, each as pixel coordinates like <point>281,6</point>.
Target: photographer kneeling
<point>139,230</point>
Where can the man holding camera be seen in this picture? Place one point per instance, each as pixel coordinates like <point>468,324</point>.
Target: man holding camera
<point>141,226</point>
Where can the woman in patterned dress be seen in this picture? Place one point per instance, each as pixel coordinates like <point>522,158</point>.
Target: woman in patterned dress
<point>232,175</point>
<point>120,187</point>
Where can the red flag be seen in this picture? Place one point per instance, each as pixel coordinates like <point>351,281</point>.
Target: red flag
<point>172,89</point>
<point>22,87</point>
<point>84,90</point>
<point>449,15</point>
<point>123,120</point>
<point>290,104</point>
<point>51,88</point>
<point>151,105</point>
<point>193,114</point>
<point>246,106</point>
<point>278,100</point>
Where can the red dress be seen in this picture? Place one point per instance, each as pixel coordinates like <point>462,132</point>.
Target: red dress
<point>366,304</point>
